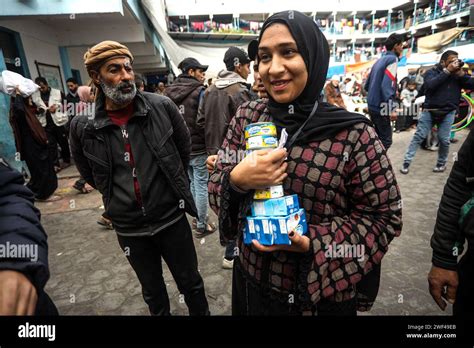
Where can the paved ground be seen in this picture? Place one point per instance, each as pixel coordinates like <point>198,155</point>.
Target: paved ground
<point>91,276</point>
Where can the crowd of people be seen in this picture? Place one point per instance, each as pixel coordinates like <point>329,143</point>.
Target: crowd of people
<point>156,157</point>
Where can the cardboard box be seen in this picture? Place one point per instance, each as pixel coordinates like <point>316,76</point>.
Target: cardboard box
<point>258,228</point>
<point>272,230</point>
<point>282,206</point>
<point>271,192</point>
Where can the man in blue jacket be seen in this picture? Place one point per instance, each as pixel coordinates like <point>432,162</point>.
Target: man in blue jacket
<point>23,249</point>
<point>381,87</point>
<point>442,86</point>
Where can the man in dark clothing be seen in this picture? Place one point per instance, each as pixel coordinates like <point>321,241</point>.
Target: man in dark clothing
<point>222,99</point>
<point>136,153</point>
<point>381,86</point>
<point>72,99</point>
<point>186,92</point>
<point>53,118</point>
<point>449,279</point>
<point>23,274</point>
<point>217,108</point>
<point>442,87</point>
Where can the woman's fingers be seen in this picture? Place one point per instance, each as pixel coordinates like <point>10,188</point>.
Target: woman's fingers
<point>277,156</point>
<point>301,243</point>
<point>265,248</point>
<point>280,179</point>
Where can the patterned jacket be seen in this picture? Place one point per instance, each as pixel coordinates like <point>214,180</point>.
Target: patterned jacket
<point>349,192</point>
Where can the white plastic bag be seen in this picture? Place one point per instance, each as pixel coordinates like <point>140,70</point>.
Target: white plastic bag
<point>10,80</point>
<point>420,100</point>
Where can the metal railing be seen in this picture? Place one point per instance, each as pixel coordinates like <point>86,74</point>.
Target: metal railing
<point>421,17</point>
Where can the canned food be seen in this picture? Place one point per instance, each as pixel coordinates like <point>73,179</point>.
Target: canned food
<point>271,192</point>
<point>261,142</point>
<point>260,128</point>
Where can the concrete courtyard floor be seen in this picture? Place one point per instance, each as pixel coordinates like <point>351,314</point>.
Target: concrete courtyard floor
<point>91,276</point>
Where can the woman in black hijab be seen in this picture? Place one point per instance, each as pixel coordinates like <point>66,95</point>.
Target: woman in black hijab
<point>337,166</point>
<point>31,143</point>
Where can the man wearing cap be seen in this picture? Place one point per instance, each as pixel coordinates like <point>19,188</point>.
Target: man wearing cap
<point>135,151</point>
<point>219,105</point>
<point>186,91</point>
<point>381,86</point>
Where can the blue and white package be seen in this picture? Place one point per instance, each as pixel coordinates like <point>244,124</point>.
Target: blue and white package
<point>281,206</point>
<point>258,228</point>
<point>270,230</point>
<point>281,226</point>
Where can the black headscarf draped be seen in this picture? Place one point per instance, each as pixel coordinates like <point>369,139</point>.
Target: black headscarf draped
<point>313,47</point>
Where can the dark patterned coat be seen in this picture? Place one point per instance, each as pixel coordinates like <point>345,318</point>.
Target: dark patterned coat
<point>349,192</point>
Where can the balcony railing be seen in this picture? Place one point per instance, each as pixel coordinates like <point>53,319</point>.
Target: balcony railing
<point>423,15</point>
<point>428,14</point>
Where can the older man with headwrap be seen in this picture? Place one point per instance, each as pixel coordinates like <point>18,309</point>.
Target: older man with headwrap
<point>135,151</point>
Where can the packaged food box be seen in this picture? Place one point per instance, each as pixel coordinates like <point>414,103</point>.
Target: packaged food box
<point>271,192</point>
<point>273,230</point>
<point>276,206</point>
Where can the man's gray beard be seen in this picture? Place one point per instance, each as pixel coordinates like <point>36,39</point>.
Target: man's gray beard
<point>116,95</point>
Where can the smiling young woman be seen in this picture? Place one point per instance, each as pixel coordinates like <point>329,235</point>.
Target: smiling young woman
<point>335,164</point>
<point>281,67</point>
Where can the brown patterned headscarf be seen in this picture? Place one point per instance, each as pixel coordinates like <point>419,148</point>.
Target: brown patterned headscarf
<point>96,56</point>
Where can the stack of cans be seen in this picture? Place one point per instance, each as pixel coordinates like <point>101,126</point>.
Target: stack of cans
<point>258,136</point>
<point>274,215</point>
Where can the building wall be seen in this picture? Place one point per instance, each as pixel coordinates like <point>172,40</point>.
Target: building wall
<point>48,7</point>
<point>39,43</point>
<point>76,59</point>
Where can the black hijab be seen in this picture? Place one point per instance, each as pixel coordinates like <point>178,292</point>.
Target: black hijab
<point>328,120</point>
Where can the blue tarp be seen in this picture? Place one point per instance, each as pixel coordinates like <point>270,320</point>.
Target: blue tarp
<point>335,70</point>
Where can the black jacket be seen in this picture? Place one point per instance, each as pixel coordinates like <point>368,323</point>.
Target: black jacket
<point>71,104</point>
<point>20,225</point>
<point>449,237</point>
<point>186,92</point>
<point>160,144</point>
<point>442,90</point>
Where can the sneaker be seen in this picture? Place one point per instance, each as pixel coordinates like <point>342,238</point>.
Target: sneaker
<point>202,232</point>
<point>404,169</point>
<point>227,264</point>
<point>439,168</point>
